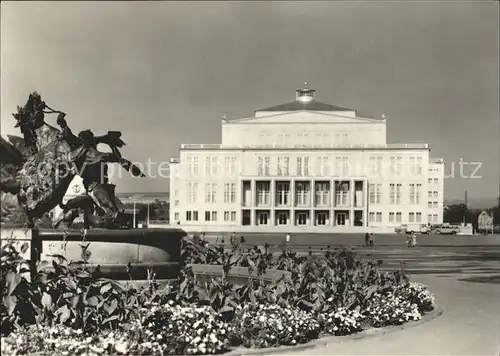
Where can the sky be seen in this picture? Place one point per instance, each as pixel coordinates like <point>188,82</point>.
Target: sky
<point>164,73</point>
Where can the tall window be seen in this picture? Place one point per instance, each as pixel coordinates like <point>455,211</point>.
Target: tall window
<point>342,165</point>
<point>302,166</point>
<point>373,165</point>
<point>321,166</point>
<point>342,194</point>
<point>282,193</point>
<point>379,217</point>
<point>210,216</point>
<point>419,217</point>
<point>398,217</point>
<point>392,189</point>
<point>398,193</point>
<point>233,215</point>
<point>227,188</point>
<point>263,166</point>
<point>412,193</point>
<point>375,193</point>
<point>263,193</point>
<point>429,217</point>
<point>210,193</point>
<point>416,165</point>
<point>345,166</point>
<point>418,193</point>
<point>391,217</point>
<point>372,217</point>
<point>211,166</point>
<point>233,193</point>
<point>302,193</point>
<point>195,166</point>
<point>371,193</point>
<point>229,193</point>
<point>396,165</point>
<point>411,217</point>
<point>283,168</point>
<point>191,192</point>
<point>267,166</point>
<point>191,215</point>
<point>419,165</point>
<point>229,166</point>
<point>322,193</point>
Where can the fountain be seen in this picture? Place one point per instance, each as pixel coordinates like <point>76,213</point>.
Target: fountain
<point>38,169</point>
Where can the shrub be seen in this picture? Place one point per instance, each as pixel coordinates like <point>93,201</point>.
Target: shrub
<point>390,309</point>
<point>419,294</point>
<point>272,325</point>
<point>341,321</point>
<point>183,330</point>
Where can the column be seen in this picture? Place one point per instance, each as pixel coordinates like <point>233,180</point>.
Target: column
<point>292,202</point>
<point>253,193</point>
<point>332,204</point>
<point>351,202</point>
<point>312,192</point>
<point>273,202</point>
<point>365,202</point>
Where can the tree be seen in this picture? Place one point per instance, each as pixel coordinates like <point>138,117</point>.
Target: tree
<point>454,214</point>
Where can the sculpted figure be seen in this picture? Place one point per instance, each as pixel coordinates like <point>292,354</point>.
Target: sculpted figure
<point>41,174</point>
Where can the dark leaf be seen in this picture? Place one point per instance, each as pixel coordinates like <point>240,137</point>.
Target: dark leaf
<point>25,246</point>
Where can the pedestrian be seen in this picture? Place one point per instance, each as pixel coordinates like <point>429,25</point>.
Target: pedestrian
<point>408,239</point>
<point>372,238</point>
<point>242,239</point>
<point>414,240</point>
<point>367,239</point>
<point>288,238</point>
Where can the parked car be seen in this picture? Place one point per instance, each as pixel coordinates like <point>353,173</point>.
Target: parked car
<point>413,228</point>
<point>446,229</point>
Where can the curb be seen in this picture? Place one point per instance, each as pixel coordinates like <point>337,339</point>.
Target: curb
<point>328,340</point>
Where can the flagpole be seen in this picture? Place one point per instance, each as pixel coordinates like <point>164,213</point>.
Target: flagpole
<point>148,215</point>
<point>133,224</point>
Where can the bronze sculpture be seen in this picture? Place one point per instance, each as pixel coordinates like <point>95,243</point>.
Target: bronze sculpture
<point>40,167</point>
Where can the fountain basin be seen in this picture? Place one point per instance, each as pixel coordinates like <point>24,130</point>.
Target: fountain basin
<point>112,250</point>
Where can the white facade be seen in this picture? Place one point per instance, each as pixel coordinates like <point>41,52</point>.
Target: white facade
<point>305,163</point>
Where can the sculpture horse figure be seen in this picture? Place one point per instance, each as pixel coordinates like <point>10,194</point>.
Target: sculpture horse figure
<point>44,174</point>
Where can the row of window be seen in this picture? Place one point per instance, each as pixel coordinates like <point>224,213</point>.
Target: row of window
<point>210,216</point>
<point>340,165</point>
<point>396,217</point>
<point>302,191</point>
<point>211,193</point>
<point>323,165</point>
<point>212,165</point>
<point>433,204</point>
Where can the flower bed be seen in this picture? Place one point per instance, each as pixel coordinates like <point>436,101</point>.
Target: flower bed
<point>69,311</point>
